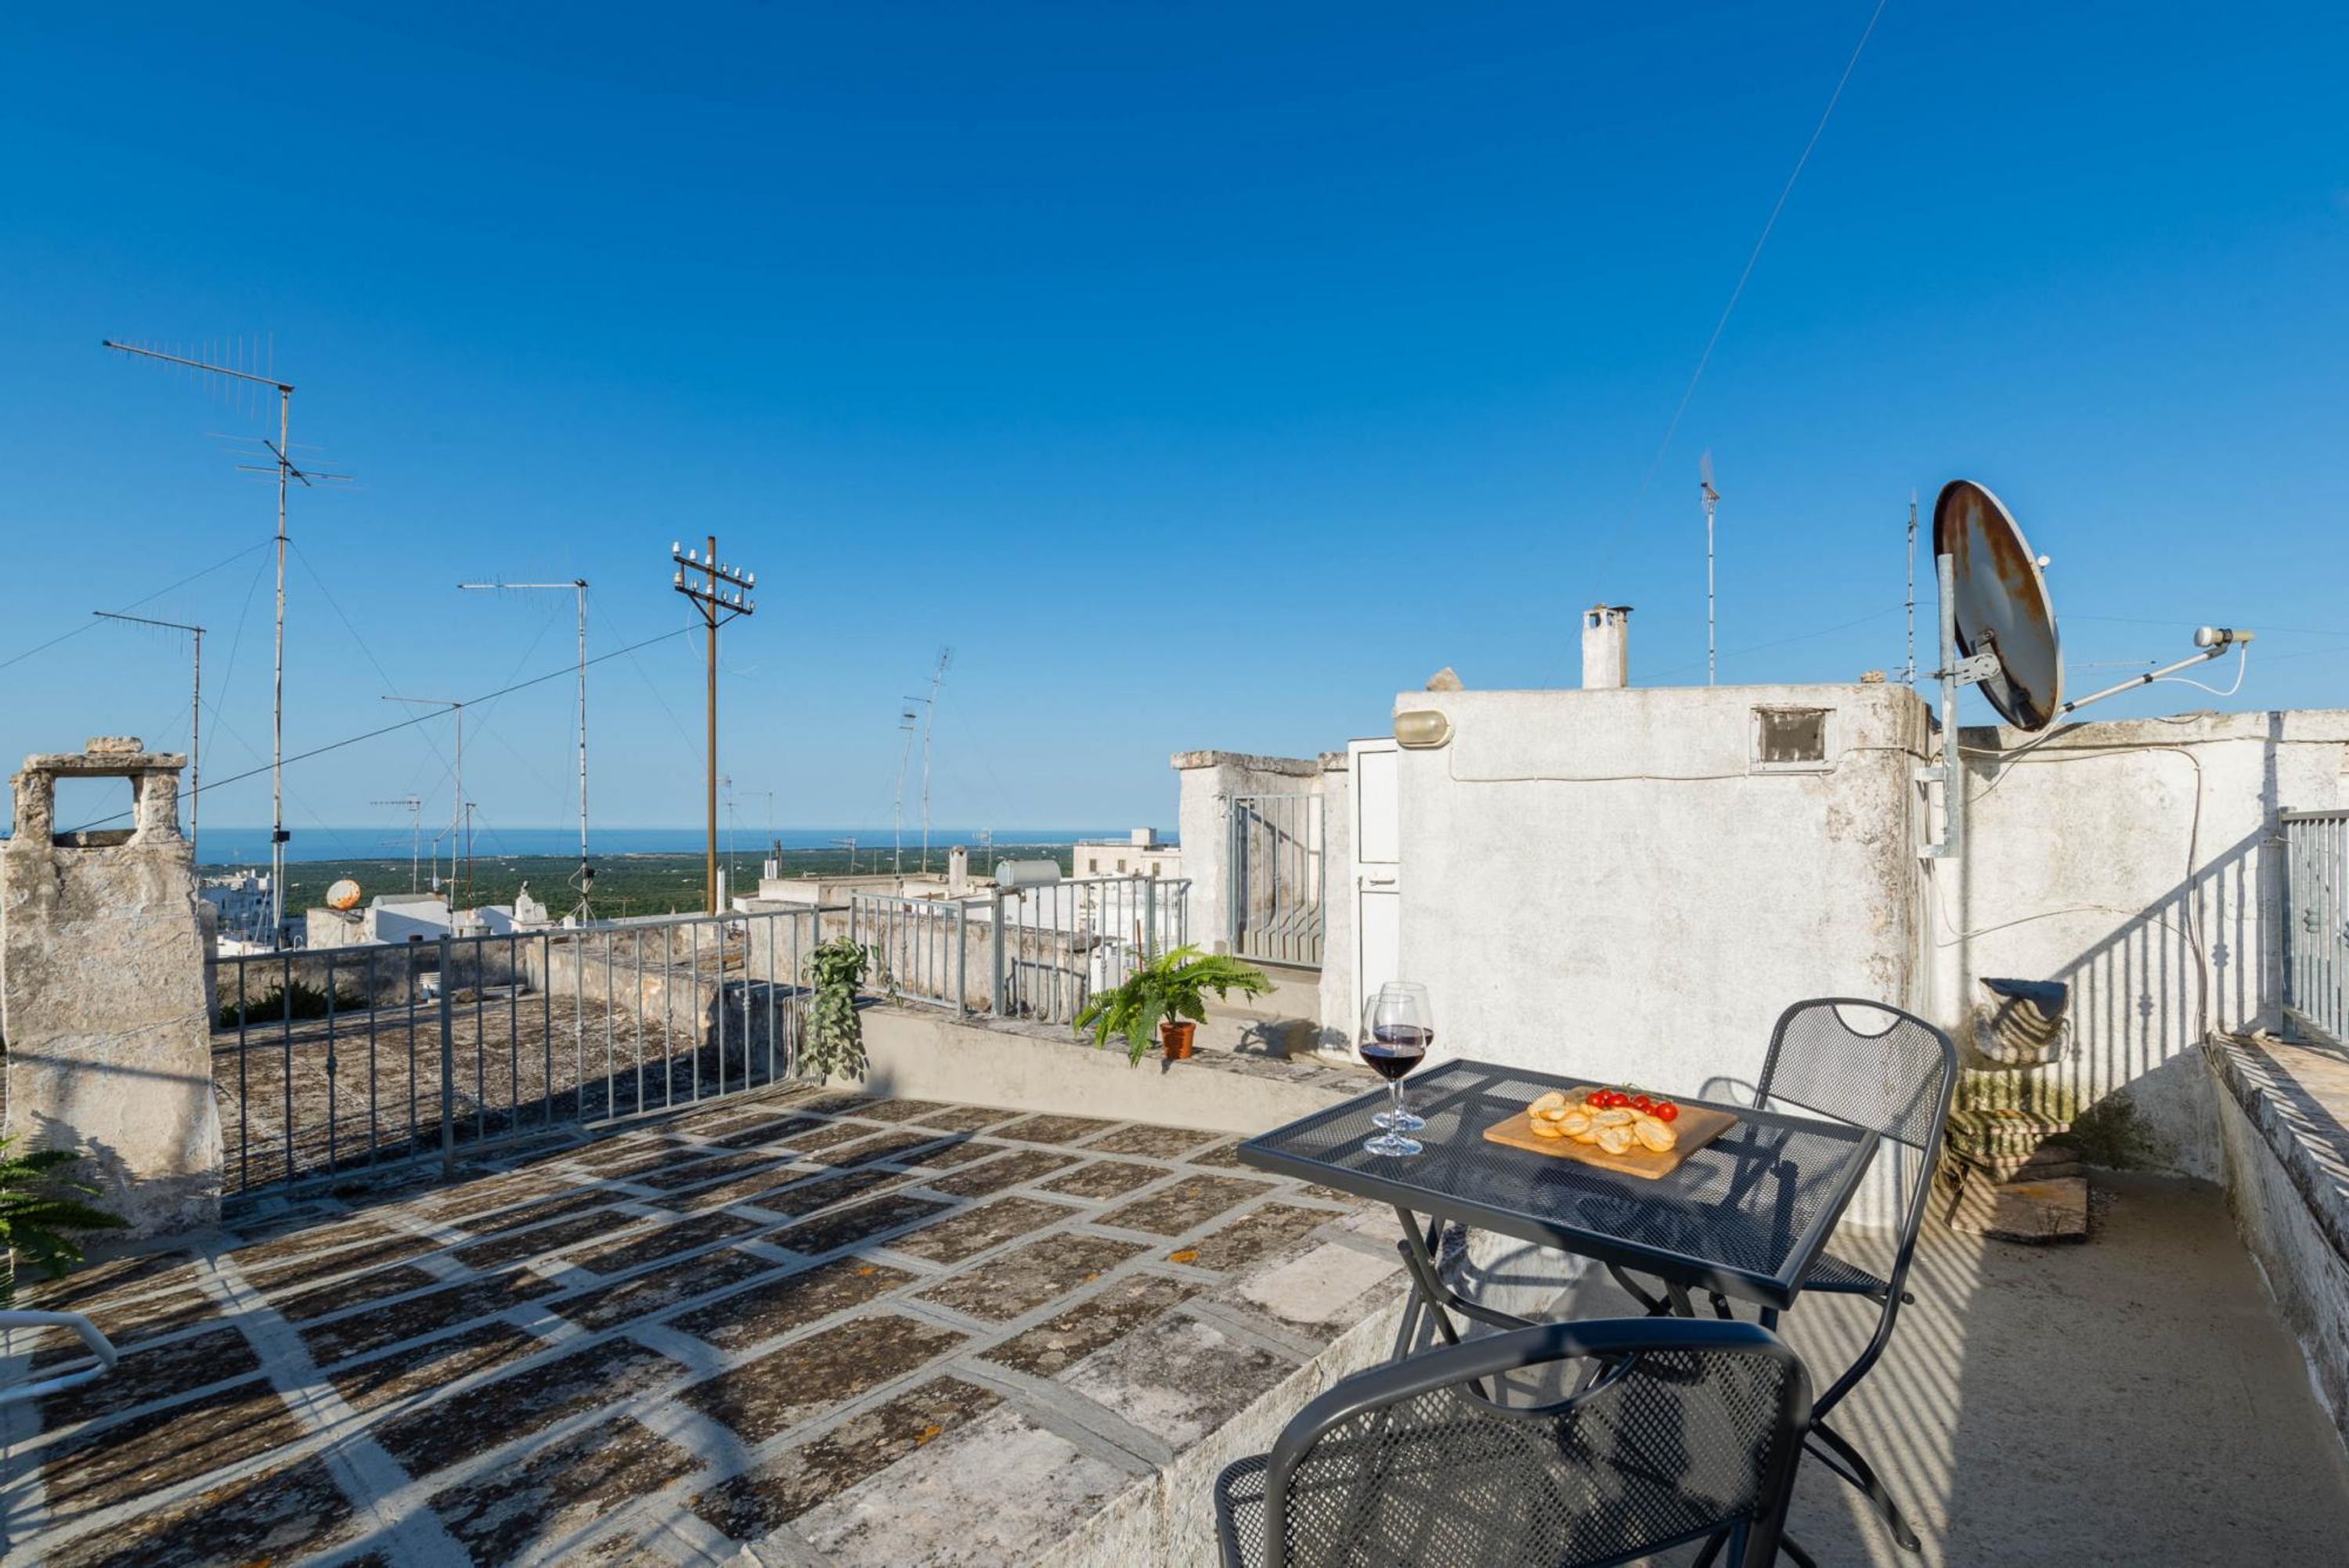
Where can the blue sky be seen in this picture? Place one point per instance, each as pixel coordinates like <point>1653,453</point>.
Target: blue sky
<point>1203,376</point>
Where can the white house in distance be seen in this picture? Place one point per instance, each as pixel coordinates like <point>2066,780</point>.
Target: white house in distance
<point>1139,856</point>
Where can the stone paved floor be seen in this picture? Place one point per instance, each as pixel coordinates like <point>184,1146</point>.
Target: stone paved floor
<point>847,1330</point>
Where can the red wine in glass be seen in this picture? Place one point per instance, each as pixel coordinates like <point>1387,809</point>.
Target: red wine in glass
<point>1393,1050</point>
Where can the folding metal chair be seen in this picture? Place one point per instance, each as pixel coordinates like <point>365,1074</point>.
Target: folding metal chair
<point>1897,1080</point>
<point>1669,1431</point>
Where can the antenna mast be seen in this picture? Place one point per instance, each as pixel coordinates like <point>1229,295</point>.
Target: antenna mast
<point>721,594</point>
<point>1908,673</point>
<point>414,806</point>
<point>196,714</point>
<point>905,754</point>
<point>929,713</point>
<point>286,470</point>
<point>1712,500</point>
<point>585,881</point>
<point>461,810</point>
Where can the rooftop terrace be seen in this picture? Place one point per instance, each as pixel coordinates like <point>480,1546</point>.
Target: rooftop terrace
<point>829,1329</point>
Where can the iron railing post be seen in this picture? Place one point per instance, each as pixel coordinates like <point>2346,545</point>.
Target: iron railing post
<point>448,1070</point>
<point>995,977</point>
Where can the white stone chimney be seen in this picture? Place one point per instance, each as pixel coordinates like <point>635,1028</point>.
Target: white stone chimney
<point>958,871</point>
<point>1606,647</point>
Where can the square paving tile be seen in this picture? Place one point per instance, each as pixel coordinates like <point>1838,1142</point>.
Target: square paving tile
<point>1106,1178</point>
<point>434,1364</point>
<point>667,1240</point>
<point>1017,1168</point>
<point>275,1516</point>
<point>785,1387</point>
<point>697,1173</point>
<point>1254,1236</point>
<point>835,1103</point>
<point>155,1372</point>
<point>779,1307</point>
<point>1186,1205</point>
<point>114,1280</point>
<point>749,1507</point>
<point>794,1192</point>
<point>976,1230</point>
<point>474,1198</point>
<point>552,1206</point>
<point>1056,1345</point>
<point>886,1146</point>
<point>1158,1142</point>
<point>903,1110</point>
<point>775,1133</point>
<point>657,1290</point>
<point>355,1291</point>
<point>1052,1128</point>
<point>858,1222</point>
<point>364,1331</point>
<point>1223,1157</point>
<point>962,1152</point>
<point>963,1118</point>
<point>152,1450</point>
<point>514,1406</point>
<point>286,1274</point>
<point>1181,1380</point>
<point>559,1490</point>
<point>128,1320</point>
<point>1026,1278</point>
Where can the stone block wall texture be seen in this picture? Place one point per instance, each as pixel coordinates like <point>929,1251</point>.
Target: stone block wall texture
<point>102,992</point>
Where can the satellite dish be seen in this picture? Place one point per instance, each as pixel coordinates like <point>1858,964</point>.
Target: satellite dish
<point>2003,611</point>
<point>344,895</point>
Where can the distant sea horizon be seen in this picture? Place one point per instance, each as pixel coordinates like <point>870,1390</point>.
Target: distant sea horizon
<point>249,846</point>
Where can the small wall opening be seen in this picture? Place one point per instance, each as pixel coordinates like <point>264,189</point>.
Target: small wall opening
<point>94,813</point>
<point>1790,738</point>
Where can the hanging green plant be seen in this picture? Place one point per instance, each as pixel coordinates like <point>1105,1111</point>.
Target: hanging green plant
<point>835,1042</point>
<point>39,1210</point>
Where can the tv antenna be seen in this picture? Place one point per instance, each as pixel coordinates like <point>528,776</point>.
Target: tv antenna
<point>721,593</point>
<point>848,844</point>
<point>1712,500</point>
<point>585,880</point>
<point>1998,632</point>
<point>287,470</point>
<point>195,713</point>
<point>929,715</point>
<point>414,806</point>
<point>461,812</point>
<point>907,721</point>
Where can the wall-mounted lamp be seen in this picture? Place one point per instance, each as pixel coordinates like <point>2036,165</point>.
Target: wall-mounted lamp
<point>1423,728</point>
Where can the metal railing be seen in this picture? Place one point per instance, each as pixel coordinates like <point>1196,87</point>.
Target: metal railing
<point>331,1060</point>
<point>916,949</point>
<point>1037,953</point>
<point>1276,878</point>
<point>2316,923</point>
<point>1055,944</point>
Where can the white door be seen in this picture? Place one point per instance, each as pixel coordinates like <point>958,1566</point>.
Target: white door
<point>1378,868</point>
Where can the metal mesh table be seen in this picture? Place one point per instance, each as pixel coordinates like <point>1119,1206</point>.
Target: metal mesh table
<point>1746,1216</point>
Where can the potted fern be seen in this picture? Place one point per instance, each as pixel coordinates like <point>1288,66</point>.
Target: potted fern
<point>39,1210</point>
<point>1166,994</point>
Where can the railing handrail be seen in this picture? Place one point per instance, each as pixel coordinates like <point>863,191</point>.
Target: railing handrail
<point>2339,815</point>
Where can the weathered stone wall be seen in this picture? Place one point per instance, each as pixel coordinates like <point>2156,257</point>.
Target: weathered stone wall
<point>102,992</point>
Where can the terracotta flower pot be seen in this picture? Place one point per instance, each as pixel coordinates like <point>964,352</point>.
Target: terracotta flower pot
<point>1175,1038</point>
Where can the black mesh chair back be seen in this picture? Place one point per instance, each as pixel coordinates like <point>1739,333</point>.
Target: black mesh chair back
<point>1652,1433</point>
<point>1864,1063</point>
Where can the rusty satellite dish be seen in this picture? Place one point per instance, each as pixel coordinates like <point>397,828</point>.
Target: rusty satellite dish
<point>2003,611</point>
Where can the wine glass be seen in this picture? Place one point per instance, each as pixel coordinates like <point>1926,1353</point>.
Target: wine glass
<point>1400,1120</point>
<point>1396,1029</point>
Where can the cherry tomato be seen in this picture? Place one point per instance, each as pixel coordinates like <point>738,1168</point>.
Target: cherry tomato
<point>1617,1099</point>
<point>1596,1099</point>
<point>1667,1112</point>
<point>1641,1102</point>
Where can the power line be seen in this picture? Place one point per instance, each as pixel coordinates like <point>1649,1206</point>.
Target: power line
<point>1738,293</point>
<point>564,673</point>
<point>182,582</point>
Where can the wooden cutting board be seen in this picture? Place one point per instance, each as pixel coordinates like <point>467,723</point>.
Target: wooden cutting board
<point>1697,1126</point>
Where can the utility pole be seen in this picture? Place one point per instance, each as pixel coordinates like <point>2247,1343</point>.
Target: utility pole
<point>707,583</point>
<point>286,471</point>
<point>579,585</point>
<point>414,806</point>
<point>1712,500</point>
<point>929,715</point>
<point>195,715</point>
<point>904,754</point>
<point>460,809</point>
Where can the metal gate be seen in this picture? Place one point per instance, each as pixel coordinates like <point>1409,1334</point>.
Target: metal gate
<point>1277,882</point>
<point>2316,923</point>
